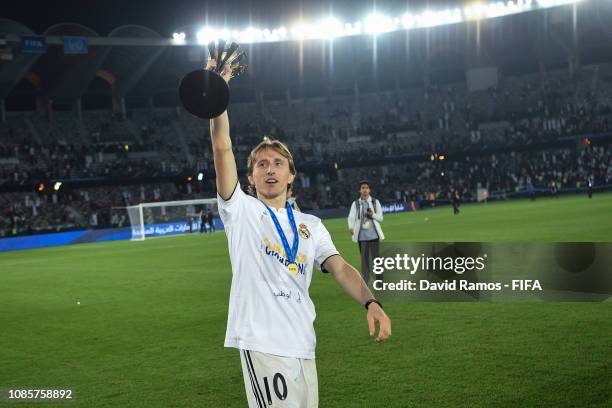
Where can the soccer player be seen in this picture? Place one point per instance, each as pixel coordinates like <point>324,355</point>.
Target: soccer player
<point>210,218</point>
<point>201,221</point>
<point>456,201</point>
<point>272,251</point>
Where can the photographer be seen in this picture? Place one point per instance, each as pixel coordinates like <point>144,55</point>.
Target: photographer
<point>364,225</point>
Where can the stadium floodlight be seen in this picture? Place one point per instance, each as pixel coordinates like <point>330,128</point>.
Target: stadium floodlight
<point>298,31</point>
<point>428,19</point>
<point>408,21</point>
<point>554,3</point>
<point>496,10</point>
<point>352,29</point>
<point>206,35</point>
<point>202,36</point>
<point>438,18</point>
<point>312,31</point>
<point>377,23</point>
<point>456,16</point>
<point>178,38</point>
<point>250,35</point>
<point>272,36</point>
<point>303,31</point>
<point>224,34</point>
<point>329,28</point>
<point>515,6</point>
<point>475,11</point>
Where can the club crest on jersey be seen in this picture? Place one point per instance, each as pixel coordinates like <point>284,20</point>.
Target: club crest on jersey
<point>303,231</point>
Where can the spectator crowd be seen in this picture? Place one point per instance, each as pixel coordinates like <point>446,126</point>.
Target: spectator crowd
<point>528,132</point>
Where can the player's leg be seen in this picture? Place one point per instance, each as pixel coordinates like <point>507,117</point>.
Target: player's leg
<point>365,267</point>
<point>375,252</point>
<point>312,382</point>
<point>284,382</point>
<point>254,397</point>
<point>370,258</point>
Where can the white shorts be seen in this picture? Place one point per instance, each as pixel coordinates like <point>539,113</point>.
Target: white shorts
<point>279,382</point>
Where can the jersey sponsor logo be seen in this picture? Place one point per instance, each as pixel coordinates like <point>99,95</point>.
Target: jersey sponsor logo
<point>303,231</point>
<point>276,251</point>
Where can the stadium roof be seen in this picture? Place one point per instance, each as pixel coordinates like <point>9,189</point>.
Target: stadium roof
<point>63,78</point>
<point>134,71</point>
<point>12,73</point>
<point>137,63</point>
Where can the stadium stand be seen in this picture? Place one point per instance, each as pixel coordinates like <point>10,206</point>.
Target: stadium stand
<point>541,131</point>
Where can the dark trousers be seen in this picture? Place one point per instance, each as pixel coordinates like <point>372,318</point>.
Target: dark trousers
<point>368,250</point>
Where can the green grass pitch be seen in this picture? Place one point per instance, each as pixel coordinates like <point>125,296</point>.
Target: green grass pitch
<point>151,321</point>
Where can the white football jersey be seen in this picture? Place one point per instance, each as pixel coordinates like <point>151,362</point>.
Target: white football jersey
<point>270,310</point>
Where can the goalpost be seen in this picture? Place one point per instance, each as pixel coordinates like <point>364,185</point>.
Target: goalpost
<point>171,217</point>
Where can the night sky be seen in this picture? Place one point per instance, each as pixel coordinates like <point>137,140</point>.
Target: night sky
<point>167,16</point>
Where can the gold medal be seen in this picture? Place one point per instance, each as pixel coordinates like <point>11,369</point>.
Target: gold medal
<point>293,268</point>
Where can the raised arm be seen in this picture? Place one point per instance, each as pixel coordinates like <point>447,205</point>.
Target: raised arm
<point>350,280</point>
<point>225,163</point>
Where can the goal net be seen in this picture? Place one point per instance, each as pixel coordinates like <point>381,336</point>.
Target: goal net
<point>172,218</point>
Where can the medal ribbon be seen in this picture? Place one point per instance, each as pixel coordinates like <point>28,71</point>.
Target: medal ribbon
<point>290,251</point>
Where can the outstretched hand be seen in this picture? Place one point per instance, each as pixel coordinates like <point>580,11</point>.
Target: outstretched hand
<point>227,69</point>
<point>376,314</point>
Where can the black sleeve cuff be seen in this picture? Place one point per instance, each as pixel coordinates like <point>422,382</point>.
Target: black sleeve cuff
<point>231,195</point>
<point>323,263</point>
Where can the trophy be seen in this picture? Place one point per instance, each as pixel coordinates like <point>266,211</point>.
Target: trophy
<point>204,93</point>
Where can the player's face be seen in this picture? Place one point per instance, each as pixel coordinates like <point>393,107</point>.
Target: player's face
<point>271,174</point>
<point>365,191</point>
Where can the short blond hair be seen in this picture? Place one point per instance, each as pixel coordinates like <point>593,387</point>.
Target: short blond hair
<point>278,147</point>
